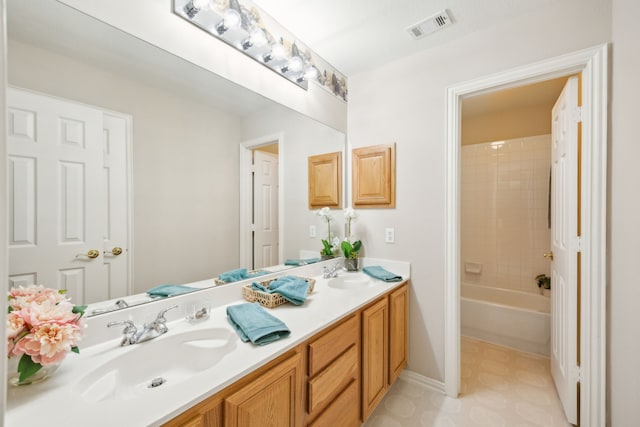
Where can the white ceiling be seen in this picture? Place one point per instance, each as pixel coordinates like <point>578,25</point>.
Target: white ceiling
<point>357,35</point>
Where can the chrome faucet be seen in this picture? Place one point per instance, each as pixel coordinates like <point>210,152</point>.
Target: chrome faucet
<point>149,331</point>
<point>330,272</point>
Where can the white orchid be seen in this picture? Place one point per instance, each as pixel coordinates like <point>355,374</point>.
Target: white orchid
<point>328,249</point>
<point>349,215</point>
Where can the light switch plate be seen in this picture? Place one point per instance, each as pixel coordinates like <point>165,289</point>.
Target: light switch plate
<point>312,231</point>
<point>389,235</point>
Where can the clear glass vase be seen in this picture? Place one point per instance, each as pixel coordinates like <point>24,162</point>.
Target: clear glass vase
<point>351,264</point>
<point>13,376</point>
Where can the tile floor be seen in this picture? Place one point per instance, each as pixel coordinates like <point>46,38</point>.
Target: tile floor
<point>501,387</point>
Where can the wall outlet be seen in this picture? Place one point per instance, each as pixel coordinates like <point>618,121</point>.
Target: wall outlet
<point>312,231</point>
<point>389,235</point>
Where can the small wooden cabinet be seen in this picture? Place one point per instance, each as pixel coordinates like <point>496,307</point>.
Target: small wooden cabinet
<point>270,400</point>
<point>398,331</point>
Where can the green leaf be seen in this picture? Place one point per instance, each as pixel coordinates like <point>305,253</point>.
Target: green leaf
<point>79,309</point>
<point>357,245</point>
<point>27,367</point>
<point>346,248</point>
<point>75,349</point>
<point>327,248</point>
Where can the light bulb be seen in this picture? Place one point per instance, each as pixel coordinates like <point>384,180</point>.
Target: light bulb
<point>257,39</point>
<point>230,19</point>
<point>194,6</point>
<point>311,73</point>
<point>294,65</point>
<point>277,52</point>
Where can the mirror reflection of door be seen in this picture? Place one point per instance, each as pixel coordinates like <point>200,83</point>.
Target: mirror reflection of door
<point>265,207</point>
<point>68,203</point>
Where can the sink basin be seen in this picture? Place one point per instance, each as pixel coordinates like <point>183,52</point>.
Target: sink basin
<point>156,364</point>
<point>350,281</point>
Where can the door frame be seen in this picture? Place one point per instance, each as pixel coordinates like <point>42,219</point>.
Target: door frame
<point>245,193</point>
<point>593,64</point>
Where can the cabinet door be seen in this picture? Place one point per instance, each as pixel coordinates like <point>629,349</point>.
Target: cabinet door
<point>375,368</point>
<point>270,400</point>
<point>340,413</point>
<point>398,331</point>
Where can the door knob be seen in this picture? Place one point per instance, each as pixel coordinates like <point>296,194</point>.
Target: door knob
<point>115,251</point>
<point>548,255</point>
<point>92,253</point>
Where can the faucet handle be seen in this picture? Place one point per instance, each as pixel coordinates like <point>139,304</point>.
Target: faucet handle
<point>160,317</point>
<point>129,328</point>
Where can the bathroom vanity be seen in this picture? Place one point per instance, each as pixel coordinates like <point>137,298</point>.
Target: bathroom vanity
<point>348,344</point>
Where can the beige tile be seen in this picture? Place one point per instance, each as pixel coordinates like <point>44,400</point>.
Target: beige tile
<point>499,387</point>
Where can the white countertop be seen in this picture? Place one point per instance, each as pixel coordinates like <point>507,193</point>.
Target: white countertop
<point>58,401</point>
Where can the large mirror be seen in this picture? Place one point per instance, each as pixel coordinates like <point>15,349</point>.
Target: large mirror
<point>171,200</point>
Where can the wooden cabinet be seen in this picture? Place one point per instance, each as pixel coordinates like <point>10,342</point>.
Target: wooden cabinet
<point>270,400</point>
<point>335,379</point>
<point>333,376</point>
<point>325,180</point>
<point>374,176</point>
<point>375,360</point>
<point>384,346</point>
<point>398,331</point>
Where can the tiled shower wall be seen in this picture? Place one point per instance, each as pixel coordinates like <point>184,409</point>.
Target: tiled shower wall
<point>504,211</point>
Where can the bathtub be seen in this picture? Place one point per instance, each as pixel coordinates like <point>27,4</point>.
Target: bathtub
<point>519,320</point>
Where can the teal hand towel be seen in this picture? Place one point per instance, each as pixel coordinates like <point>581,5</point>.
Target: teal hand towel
<point>239,274</point>
<point>299,262</point>
<point>253,323</point>
<point>169,290</point>
<point>293,289</point>
<point>380,273</point>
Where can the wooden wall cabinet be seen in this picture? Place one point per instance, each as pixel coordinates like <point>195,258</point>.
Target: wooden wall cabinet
<point>374,176</point>
<point>325,180</point>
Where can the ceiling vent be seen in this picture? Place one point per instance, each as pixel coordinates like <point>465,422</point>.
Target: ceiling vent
<point>429,25</point>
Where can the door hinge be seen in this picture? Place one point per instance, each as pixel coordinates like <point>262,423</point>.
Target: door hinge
<point>578,374</point>
<point>252,227</point>
<point>578,244</point>
<point>578,114</point>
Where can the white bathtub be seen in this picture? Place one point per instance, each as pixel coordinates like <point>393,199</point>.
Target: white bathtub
<point>520,320</point>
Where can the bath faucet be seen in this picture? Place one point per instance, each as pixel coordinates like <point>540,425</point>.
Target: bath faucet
<point>329,272</point>
<point>149,331</point>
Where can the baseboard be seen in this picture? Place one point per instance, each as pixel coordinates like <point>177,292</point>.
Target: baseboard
<point>415,378</point>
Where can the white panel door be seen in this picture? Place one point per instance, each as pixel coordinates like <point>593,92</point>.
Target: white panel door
<point>564,243</point>
<point>116,226</point>
<point>59,199</point>
<point>265,209</point>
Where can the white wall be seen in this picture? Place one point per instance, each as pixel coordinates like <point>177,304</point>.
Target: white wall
<point>154,22</point>
<point>504,199</point>
<point>185,166</point>
<point>404,101</point>
<point>624,212</point>
<point>301,137</point>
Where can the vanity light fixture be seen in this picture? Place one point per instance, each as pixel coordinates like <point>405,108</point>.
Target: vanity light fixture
<point>243,26</point>
<point>230,19</point>
<point>257,38</point>
<point>194,6</point>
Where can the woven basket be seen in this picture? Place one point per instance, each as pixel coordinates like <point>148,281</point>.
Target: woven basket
<point>269,300</point>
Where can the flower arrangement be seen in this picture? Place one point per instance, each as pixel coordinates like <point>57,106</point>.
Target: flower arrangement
<point>349,249</point>
<point>42,327</point>
<point>329,245</point>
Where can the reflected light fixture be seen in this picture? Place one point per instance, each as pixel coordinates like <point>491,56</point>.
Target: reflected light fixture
<point>230,19</point>
<point>194,6</point>
<point>294,65</point>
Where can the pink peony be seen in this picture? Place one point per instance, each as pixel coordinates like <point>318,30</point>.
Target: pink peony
<point>47,312</point>
<point>49,343</point>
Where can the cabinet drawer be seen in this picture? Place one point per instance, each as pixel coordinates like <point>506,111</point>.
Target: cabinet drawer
<point>326,348</point>
<point>326,385</point>
<point>343,412</point>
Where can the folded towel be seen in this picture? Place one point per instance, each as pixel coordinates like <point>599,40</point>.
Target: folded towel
<point>293,289</point>
<point>253,323</point>
<point>301,261</point>
<point>169,290</point>
<point>239,274</point>
<point>378,272</point>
